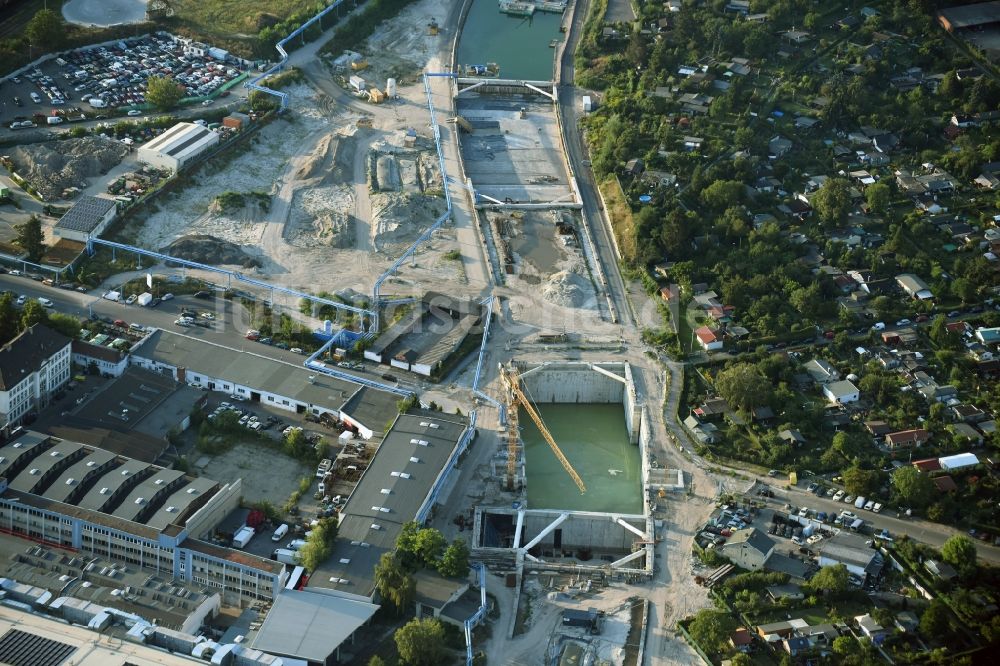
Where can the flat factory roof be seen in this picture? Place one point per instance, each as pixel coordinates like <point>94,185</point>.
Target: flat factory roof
<point>390,493</point>
<point>108,485</point>
<point>310,625</point>
<point>373,407</point>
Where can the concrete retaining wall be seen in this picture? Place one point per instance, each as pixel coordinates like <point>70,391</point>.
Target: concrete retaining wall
<point>572,382</point>
<point>599,533</point>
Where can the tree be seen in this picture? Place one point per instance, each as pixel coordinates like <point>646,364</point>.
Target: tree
<point>45,30</point>
<point>421,642</point>
<point>913,486</point>
<point>878,196</point>
<point>430,545</point>
<point>845,645</point>
<point>743,386</point>
<point>31,239</point>
<point>832,580</point>
<point>163,92</point>
<point>455,561</point>
<point>319,544</point>
<point>394,584</point>
<point>376,661</point>
<point>33,313</point>
<point>960,552</point>
<point>832,200</point>
<point>722,194</point>
<point>934,622</point>
<point>859,481</point>
<point>8,319</point>
<point>711,629</point>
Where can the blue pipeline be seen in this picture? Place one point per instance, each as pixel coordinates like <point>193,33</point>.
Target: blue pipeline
<point>253,84</point>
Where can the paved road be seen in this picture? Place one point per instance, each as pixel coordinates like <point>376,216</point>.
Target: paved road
<point>569,102</point>
<point>933,534</point>
<point>228,329</point>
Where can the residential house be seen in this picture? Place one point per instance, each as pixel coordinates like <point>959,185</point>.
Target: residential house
<point>941,570</point>
<point>33,366</point>
<point>793,437</point>
<point>434,592</point>
<point>914,286</point>
<point>108,361</point>
<point>842,392</point>
<point>937,393</point>
<point>966,432</point>
<point>713,409</point>
<point>781,629</point>
<point>870,628</point>
<point>945,484</point>
<point>969,414</point>
<point>788,591</point>
<point>927,465</point>
<point>706,433</point>
<point>907,621</point>
<point>907,438</point>
<point>635,167</point>
<point>796,645</point>
<point>741,640</point>
<point>851,551</point>
<point>878,428</point>
<point>748,548</point>
<point>821,371</point>
<point>796,36</point>
<point>708,339</point>
<point>777,147</point>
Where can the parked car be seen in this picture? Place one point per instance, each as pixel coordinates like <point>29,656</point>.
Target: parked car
<point>838,496</point>
<point>168,297</point>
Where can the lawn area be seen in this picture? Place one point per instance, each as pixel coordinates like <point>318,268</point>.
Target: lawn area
<point>14,17</point>
<point>620,214</point>
<point>815,615</point>
<point>235,18</point>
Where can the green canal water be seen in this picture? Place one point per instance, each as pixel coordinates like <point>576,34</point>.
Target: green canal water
<point>518,44</point>
<point>594,439</point>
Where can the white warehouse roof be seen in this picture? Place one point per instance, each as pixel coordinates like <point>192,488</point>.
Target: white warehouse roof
<point>178,144</point>
<point>959,461</point>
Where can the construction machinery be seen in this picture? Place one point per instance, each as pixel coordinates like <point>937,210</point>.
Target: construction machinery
<point>515,398</point>
<point>432,27</point>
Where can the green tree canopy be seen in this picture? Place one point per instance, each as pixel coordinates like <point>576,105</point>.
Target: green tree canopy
<point>832,580</point>
<point>960,551</point>
<point>832,200</point>
<point>393,582</point>
<point>711,629</point>
<point>912,486</point>
<point>31,239</point>
<point>935,620</point>
<point>860,481</point>
<point>163,92</point>
<point>319,544</point>
<point>878,197</point>
<point>8,319</point>
<point>33,313</point>
<point>46,30</point>
<point>722,194</point>
<point>420,642</point>
<point>455,560</point>
<point>743,386</point>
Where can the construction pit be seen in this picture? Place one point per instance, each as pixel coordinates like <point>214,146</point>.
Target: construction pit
<point>511,150</point>
<point>595,520</point>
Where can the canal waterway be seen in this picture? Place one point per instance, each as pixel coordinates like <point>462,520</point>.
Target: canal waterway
<point>518,44</point>
<point>594,439</point>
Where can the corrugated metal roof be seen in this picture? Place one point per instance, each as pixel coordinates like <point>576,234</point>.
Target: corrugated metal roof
<point>85,214</point>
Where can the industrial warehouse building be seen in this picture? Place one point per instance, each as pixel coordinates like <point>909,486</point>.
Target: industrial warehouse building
<point>86,219</point>
<point>243,373</point>
<point>67,495</point>
<point>177,146</point>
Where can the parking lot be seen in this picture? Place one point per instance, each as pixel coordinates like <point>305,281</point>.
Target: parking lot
<point>111,77</point>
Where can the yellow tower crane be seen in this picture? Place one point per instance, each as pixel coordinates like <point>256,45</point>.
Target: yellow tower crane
<point>512,381</point>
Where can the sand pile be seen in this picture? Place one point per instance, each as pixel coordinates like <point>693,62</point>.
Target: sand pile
<point>567,289</point>
<point>52,167</point>
<point>320,217</point>
<point>401,217</point>
<point>210,250</point>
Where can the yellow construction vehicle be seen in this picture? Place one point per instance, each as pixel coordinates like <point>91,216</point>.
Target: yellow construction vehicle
<point>516,397</point>
<point>432,27</point>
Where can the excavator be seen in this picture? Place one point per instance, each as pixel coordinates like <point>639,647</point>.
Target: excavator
<point>516,397</point>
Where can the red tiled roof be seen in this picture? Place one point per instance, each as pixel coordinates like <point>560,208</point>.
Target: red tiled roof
<point>705,334</point>
<point>945,483</point>
<point>928,465</point>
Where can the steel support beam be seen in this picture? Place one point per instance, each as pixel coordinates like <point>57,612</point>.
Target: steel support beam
<point>544,533</point>
<point>519,528</point>
<point>628,558</point>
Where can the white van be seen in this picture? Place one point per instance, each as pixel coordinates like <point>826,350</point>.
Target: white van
<point>295,544</point>
<point>54,120</point>
<point>878,326</point>
<point>280,533</point>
